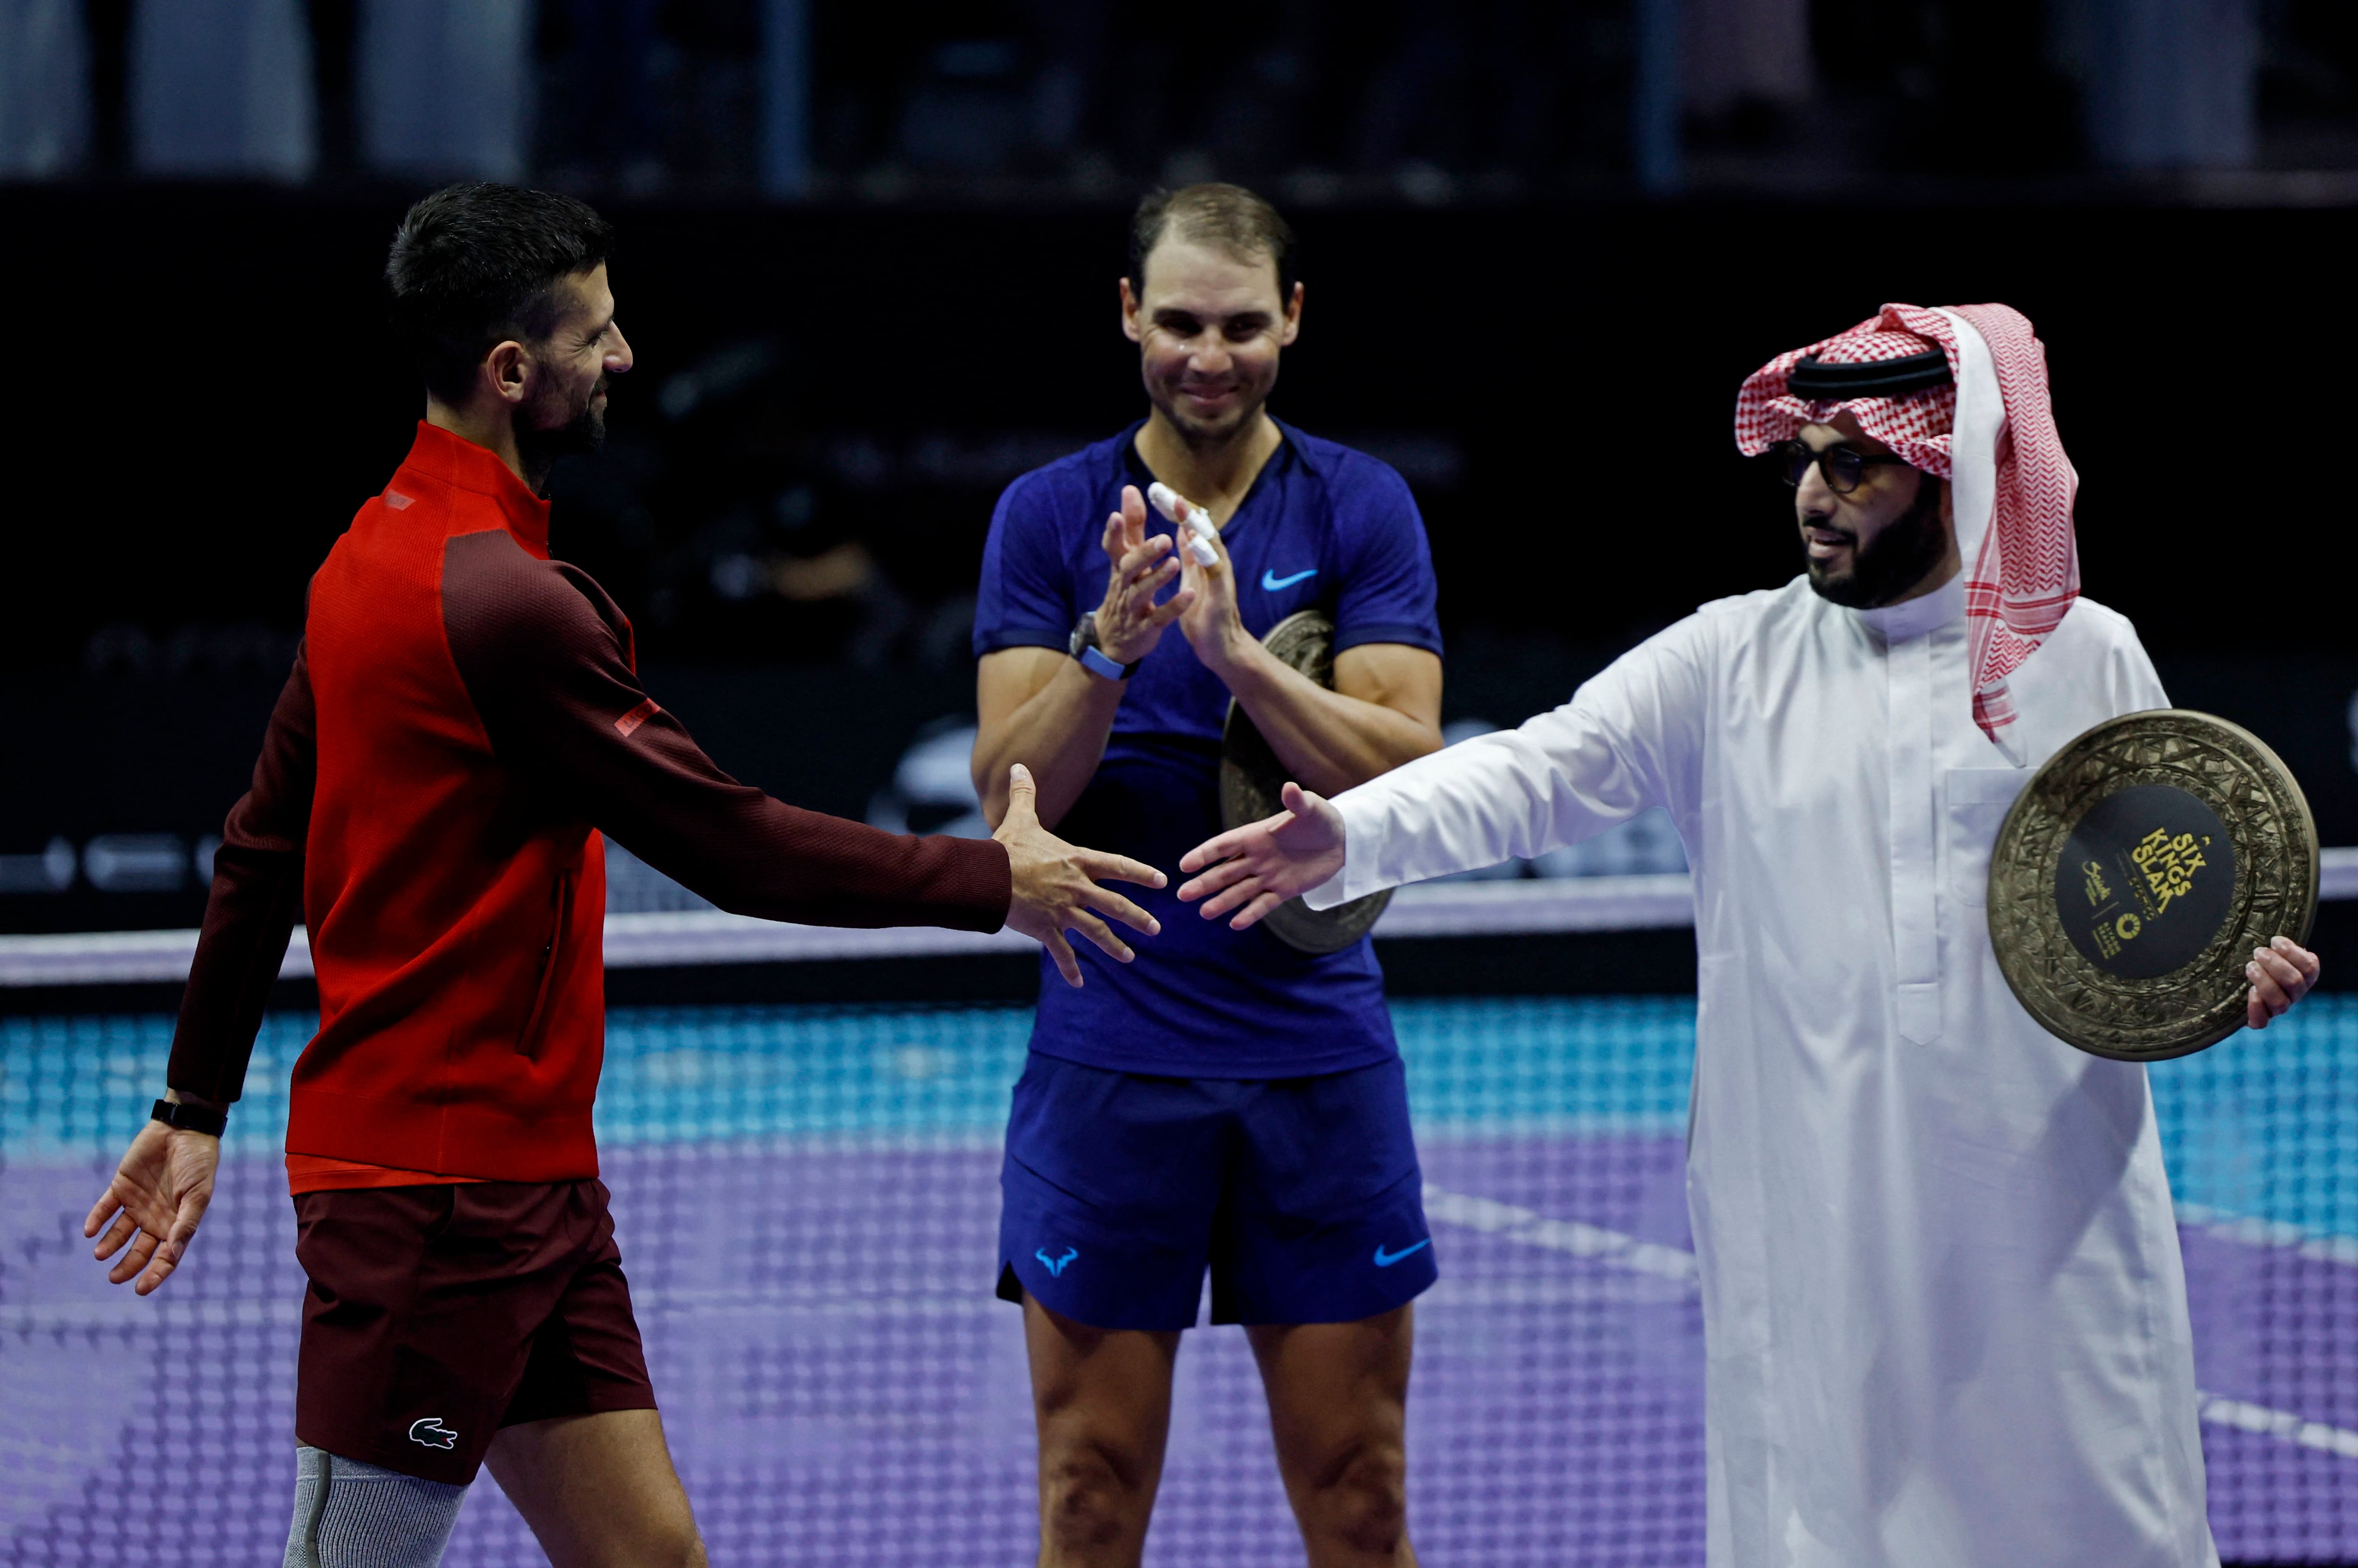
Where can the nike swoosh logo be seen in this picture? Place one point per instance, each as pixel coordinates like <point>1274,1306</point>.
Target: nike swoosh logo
<point>1385,1260</point>
<point>1271,582</point>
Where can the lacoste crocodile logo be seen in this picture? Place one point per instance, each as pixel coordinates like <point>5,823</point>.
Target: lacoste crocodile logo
<point>430,1432</point>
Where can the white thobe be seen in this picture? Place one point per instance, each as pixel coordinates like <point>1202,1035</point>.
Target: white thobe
<point>1944,1312</point>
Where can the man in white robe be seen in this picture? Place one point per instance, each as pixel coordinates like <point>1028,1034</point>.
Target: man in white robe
<point>1944,1313</point>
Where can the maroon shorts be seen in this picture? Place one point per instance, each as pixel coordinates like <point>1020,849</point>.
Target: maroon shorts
<point>436,1315</point>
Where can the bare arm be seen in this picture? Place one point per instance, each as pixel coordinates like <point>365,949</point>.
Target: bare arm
<point>1385,708</point>
<point>1041,708</point>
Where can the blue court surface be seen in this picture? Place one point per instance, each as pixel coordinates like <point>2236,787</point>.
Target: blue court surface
<point>806,1199</point>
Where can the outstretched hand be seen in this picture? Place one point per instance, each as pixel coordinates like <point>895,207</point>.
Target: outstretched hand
<point>2281,974</point>
<point>1255,867</point>
<point>1056,886</point>
<point>158,1195</point>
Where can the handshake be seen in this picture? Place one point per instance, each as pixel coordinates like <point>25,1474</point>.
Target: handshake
<point>1250,870</point>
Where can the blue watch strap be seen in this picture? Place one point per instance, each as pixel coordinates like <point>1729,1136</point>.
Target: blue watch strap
<point>1094,660</point>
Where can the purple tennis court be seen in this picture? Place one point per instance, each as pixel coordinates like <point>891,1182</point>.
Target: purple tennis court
<point>807,1199</point>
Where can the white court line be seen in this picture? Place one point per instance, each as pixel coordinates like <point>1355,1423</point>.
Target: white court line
<point>2251,1231</point>
<point>1625,1252</point>
<point>2281,1424</point>
<point>1567,1235</point>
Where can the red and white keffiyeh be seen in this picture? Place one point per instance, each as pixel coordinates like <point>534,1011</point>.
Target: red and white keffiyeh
<point>2022,580</point>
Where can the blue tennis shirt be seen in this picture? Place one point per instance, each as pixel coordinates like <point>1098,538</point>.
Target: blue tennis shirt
<point>1324,526</point>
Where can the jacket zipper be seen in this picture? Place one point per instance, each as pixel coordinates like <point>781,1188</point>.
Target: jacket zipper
<point>561,899</point>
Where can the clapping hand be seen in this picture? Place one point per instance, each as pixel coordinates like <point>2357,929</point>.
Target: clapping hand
<point>1210,620</point>
<point>1128,622</point>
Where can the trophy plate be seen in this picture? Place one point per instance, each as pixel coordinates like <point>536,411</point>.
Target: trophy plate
<point>1251,778</point>
<point>2136,873</point>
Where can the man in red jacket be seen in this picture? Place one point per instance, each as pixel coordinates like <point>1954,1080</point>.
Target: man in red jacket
<point>462,724</point>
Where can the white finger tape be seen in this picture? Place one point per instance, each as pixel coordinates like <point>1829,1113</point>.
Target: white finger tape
<point>1179,509</point>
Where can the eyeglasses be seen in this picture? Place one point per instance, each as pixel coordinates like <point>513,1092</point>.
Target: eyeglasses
<point>1843,466</point>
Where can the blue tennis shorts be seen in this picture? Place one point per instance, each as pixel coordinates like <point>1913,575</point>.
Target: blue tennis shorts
<point>1302,1196</point>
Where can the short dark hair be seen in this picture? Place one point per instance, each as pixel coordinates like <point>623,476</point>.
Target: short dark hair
<point>1226,217</point>
<point>476,263</point>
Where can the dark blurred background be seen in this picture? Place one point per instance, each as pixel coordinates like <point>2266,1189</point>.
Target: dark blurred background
<point>868,260</point>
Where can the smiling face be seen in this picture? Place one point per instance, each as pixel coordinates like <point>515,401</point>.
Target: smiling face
<point>564,404</point>
<point>1887,539</point>
<point>1209,326</point>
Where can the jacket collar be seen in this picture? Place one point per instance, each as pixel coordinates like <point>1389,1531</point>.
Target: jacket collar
<point>454,460</point>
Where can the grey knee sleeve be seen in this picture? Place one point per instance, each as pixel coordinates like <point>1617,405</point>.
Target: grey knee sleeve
<point>352,1515</point>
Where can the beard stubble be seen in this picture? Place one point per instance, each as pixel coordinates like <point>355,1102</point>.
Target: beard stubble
<point>582,432</point>
<point>1895,560</point>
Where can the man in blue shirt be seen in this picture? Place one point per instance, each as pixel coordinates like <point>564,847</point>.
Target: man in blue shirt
<point>1224,1102</point>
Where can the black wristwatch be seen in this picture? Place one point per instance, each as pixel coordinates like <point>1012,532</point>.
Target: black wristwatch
<point>185,1118</point>
<point>1094,658</point>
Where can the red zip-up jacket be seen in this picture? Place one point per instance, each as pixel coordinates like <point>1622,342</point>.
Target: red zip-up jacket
<point>462,720</point>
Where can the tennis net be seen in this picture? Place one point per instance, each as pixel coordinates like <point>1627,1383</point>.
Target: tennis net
<point>807,1201</point>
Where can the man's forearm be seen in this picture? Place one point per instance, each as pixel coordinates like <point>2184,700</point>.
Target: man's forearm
<point>1059,732</point>
<point>1328,741</point>
<point>256,895</point>
<point>256,899</point>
